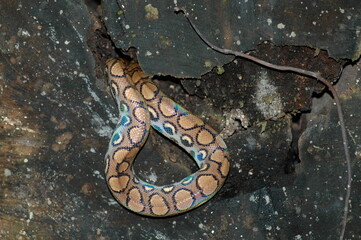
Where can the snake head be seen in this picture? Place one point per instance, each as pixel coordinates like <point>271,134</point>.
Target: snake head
<point>115,66</point>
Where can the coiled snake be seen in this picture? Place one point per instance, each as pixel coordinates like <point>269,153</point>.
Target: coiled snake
<point>141,105</point>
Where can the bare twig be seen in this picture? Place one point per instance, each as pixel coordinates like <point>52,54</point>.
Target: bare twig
<point>304,73</point>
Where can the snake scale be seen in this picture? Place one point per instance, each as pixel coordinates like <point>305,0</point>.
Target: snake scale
<point>141,105</point>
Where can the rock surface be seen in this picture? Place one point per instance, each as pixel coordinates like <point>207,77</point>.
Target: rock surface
<point>57,115</point>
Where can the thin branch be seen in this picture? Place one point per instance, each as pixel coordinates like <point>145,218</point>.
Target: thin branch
<point>304,73</point>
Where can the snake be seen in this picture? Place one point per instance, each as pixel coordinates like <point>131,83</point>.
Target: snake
<point>142,105</point>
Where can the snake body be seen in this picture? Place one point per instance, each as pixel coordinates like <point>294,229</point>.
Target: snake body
<point>141,105</point>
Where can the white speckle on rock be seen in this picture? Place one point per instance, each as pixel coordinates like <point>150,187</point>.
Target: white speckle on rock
<point>251,143</point>
<point>281,26</point>
<point>148,53</point>
<point>292,35</point>
<point>97,174</point>
<point>253,198</point>
<point>268,100</point>
<point>153,177</point>
<point>7,172</point>
<point>112,202</point>
<point>127,26</point>
<point>51,58</point>
<point>152,13</point>
<point>298,237</point>
<point>341,10</point>
<point>269,21</point>
<point>284,191</point>
<point>267,199</point>
<point>23,33</point>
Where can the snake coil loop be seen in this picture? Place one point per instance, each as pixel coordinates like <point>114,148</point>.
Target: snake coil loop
<point>141,105</point>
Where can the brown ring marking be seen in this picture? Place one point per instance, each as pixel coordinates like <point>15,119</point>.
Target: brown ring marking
<point>221,168</point>
<point>158,205</point>
<point>222,160</point>
<point>135,200</point>
<point>189,122</point>
<point>122,167</point>
<point>133,133</point>
<point>205,137</point>
<point>207,184</point>
<point>109,64</point>
<point>130,94</point>
<point>120,153</point>
<point>119,181</point>
<point>217,155</point>
<point>119,68</point>
<point>224,168</point>
<point>181,199</point>
<point>130,69</point>
<point>137,76</point>
<point>149,91</point>
<point>166,108</point>
<point>139,113</point>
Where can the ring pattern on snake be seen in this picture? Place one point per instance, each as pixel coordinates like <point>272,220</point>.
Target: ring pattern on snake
<point>141,105</point>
